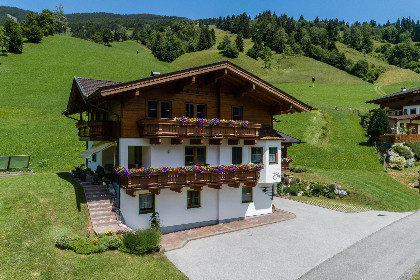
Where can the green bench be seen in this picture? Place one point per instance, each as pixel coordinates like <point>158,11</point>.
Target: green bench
<point>14,162</point>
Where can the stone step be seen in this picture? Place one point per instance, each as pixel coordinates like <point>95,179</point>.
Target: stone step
<point>98,198</point>
<point>101,190</point>
<point>105,220</point>
<point>105,228</point>
<point>100,207</point>
<point>102,214</point>
<point>99,202</point>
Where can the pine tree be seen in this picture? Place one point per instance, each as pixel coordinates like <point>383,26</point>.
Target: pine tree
<point>239,42</point>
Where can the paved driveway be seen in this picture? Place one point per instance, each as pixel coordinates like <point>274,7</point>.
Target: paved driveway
<point>284,250</point>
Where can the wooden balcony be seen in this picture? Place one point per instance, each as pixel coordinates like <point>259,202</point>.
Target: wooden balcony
<point>97,131</point>
<point>399,138</point>
<point>157,128</point>
<point>285,166</point>
<point>176,181</point>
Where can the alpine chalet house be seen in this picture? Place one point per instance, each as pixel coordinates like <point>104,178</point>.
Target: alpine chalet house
<point>403,110</point>
<point>196,145</point>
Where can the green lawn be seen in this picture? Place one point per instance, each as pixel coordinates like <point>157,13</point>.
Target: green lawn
<point>35,210</point>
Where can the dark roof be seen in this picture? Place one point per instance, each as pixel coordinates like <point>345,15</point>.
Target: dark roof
<point>89,86</point>
<point>267,133</point>
<point>393,95</point>
<point>405,117</point>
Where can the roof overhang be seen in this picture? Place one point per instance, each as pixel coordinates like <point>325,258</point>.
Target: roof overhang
<point>99,147</point>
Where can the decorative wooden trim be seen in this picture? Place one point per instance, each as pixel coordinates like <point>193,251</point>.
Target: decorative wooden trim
<point>234,185</point>
<point>196,141</point>
<point>196,188</point>
<point>233,141</point>
<point>155,141</point>
<point>176,141</point>
<point>215,141</point>
<point>215,186</point>
<point>250,142</point>
<point>176,189</point>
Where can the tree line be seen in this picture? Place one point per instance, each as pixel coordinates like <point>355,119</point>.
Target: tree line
<point>34,27</point>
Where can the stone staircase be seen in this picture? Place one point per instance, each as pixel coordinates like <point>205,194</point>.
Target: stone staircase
<point>102,214</point>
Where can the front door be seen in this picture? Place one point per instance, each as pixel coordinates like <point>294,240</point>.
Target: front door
<point>413,127</point>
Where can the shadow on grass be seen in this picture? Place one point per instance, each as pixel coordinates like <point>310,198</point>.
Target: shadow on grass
<point>366,144</point>
<point>78,190</point>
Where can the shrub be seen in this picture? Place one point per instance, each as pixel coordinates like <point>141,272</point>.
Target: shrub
<point>85,246</point>
<point>113,242</point>
<point>330,195</point>
<point>415,147</point>
<point>64,242</point>
<point>397,162</point>
<point>378,125</point>
<point>403,151</point>
<point>317,189</point>
<point>141,242</point>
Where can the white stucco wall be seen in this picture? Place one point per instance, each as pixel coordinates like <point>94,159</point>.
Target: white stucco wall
<point>216,205</point>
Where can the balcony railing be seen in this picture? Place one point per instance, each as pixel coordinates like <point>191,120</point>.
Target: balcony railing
<point>97,130</point>
<point>174,179</point>
<point>173,128</point>
<point>285,166</point>
<point>399,138</point>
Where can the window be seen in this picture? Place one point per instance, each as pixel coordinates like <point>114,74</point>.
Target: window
<point>236,155</point>
<point>189,110</point>
<point>152,109</point>
<point>272,154</point>
<point>147,203</point>
<point>165,110</point>
<point>237,113</point>
<point>161,109</point>
<point>195,111</point>
<point>201,111</point>
<point>405,111</point>
<point>195,156</point>
<point>193,199</point>
<point>413,111</point>
<point>246,194</point>
<point>134,156</point>
<point>256,154</point>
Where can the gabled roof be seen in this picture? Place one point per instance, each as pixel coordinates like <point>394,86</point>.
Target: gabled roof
<point>394,95</point>
<point>269,133</point>
<point>93,88</point>
<point>405,117</point>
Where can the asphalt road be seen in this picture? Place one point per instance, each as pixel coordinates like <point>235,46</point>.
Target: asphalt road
<point>285,250</point>
<point>391,253</point>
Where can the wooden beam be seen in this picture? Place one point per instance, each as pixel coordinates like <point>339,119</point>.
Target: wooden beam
<point>131,192</point>
<point>212,78</point>
<point>234,185</point>
<point>199,141</point>
<point>215,141</point>
<point>250,142</point>
<point>244,90</point>
<point>155,141</point>
<point>275,110</point>
<point>180,85</point>
<point>251,184</point>
<point>176,141</point>
<point>176,189</point>
<point>196,188</point>
<point>137,92</point>
<point>215,186</point>
<point>155,191</point>
<point>233,141</point>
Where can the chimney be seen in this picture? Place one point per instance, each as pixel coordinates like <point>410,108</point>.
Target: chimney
<point>154,74</point>
<point>403,89</point>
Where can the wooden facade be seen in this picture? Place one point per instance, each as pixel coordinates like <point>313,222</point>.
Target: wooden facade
<point>222,89</point>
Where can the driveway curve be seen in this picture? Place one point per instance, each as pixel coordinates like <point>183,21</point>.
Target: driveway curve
<point>284,250</point>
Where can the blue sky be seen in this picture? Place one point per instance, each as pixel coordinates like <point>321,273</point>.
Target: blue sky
<point>350,10</point>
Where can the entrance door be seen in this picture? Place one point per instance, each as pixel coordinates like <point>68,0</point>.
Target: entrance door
<point>413,127</point>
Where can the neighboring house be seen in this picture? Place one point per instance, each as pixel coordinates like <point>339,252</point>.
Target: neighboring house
<point>403,110</point>
<point>132,125</point>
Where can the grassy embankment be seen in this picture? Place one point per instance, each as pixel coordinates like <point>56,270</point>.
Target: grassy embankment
<point>34,89</point>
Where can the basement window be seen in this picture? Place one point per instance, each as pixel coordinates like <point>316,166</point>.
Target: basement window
<point>193,199</point>
<point>147,203</point>
<point>246,194</point>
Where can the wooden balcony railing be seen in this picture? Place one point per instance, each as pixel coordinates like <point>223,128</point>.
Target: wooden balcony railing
<point>97,130</point>
<point>399,138</point>
<point>173,128</point>
<point>176,181</point>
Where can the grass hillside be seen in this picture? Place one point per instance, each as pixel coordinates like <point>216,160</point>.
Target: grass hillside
<point>34,89</point>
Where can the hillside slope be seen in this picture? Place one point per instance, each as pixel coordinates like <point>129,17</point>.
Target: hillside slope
<point>35,85</point>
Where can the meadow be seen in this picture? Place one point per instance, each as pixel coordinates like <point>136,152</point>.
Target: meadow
<point>34,89</point>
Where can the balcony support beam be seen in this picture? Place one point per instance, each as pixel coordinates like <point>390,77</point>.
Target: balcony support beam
<point>155,141</point>
<point>250,142</point>
<point>131,192</point>
<point>199,141</point>
<point>215,141</point>
<point>234,185</point>
<point>233,141</point>
<point>176,141</point>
